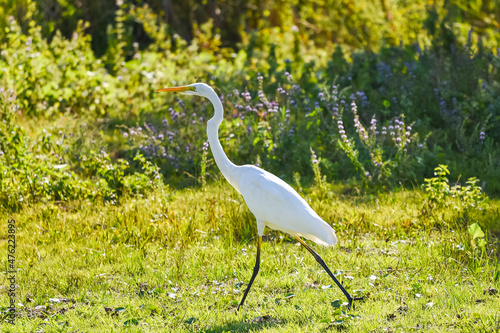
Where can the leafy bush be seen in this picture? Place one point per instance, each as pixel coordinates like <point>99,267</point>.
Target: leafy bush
<point>358,24</point>
<point>48,169</point>
<point>78,126</point>
<point>438,190</point>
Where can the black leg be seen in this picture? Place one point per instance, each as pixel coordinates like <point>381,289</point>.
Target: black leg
<point>255,271</point>
<point>322,263</point>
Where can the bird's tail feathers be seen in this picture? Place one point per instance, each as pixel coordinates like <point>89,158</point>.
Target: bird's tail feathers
<point>327,239</point>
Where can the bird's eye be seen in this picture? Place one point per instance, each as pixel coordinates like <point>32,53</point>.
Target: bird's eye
<point>192,88</point>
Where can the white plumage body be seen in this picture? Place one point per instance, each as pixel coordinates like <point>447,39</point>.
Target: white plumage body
<point>278,206</point>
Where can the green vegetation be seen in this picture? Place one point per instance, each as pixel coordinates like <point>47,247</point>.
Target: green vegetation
<point>384,115</point>
<point>175,258</point>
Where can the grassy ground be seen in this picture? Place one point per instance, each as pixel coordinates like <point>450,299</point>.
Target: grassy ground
<point>179,261</point>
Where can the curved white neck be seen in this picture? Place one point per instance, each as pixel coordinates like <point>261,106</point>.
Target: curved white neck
<point>226,167</point>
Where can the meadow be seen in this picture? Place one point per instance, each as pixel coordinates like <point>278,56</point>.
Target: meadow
<point>179,261</point>
<point>386,121</point>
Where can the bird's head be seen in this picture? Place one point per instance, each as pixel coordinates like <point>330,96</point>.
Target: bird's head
<point>197,89</point>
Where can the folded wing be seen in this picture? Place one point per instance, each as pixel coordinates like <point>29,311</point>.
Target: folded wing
<point>280,207</point>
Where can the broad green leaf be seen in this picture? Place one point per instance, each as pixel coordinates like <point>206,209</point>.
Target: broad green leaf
<point>475,231</point>
<point>336,303</point>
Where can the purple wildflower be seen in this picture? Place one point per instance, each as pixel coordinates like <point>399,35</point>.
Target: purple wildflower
<point>373,123</point>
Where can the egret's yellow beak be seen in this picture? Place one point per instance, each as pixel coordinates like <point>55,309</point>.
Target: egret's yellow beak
<point>177,89</point>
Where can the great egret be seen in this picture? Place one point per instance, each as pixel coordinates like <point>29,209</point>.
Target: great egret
<point>274,203</point>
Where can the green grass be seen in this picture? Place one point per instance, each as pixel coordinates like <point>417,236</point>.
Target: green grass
<point>153,264</point>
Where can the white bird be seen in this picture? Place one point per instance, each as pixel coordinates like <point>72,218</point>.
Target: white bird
<point>274,203</point>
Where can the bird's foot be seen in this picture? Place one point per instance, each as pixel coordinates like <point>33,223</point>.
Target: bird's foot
<point>351,304</point>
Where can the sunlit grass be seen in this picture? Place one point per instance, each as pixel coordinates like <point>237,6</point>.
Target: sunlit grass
<point>175,261</point>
